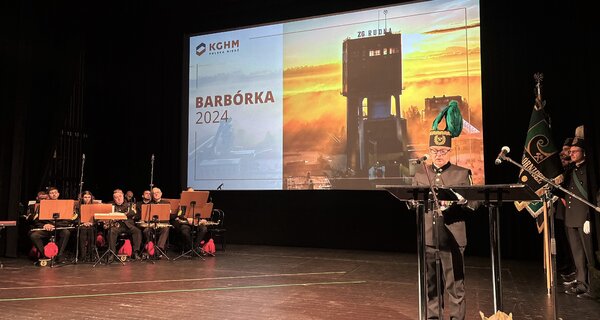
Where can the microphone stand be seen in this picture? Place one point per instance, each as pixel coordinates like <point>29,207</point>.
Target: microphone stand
<point>547,200</point>
<point>151,172</point>
<point>551,183</point>
<point>437,213</point>
<point>80,198</point>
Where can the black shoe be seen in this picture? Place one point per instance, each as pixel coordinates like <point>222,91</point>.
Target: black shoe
<point>576,290</point>
<point>59,260</point>
<point>136,256</point>
<point>586,295</point>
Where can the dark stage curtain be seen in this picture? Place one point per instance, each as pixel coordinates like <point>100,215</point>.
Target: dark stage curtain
<point>128,62</point>
<point>39,56</point>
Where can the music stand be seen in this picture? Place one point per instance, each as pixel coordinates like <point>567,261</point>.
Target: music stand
<point>493,196</point>
<point>422,195</point>
<point>54,210</point>
<point>155,213</point>
<point>191,200</point>
<point>87,212</point>
<point>206,210</point>
<point>109,218</point>
<point>174,204</point>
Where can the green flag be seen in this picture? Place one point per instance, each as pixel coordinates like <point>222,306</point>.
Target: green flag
<point>540,155</point>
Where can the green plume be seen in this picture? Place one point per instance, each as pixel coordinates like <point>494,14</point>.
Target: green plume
<point>454,120</point>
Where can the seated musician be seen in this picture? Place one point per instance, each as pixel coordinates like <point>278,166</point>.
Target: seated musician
<point>129,197</point>
<point>125,226</point>
<point>146,199</point>
<point>180,222</point>
<point>33,210</point>
<point>45,229</point>
<point>87,231</point>
<point>162,231</point>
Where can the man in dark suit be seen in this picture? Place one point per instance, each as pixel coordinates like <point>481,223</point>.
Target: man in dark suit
<point>451,236</point>
<point>45,229</point>
<point>125,226</point>
<point>577,219</point>
<point>564,259</point>
<point>163,232</point>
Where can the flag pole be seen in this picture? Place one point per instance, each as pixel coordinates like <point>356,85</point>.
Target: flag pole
<point>547,256</point>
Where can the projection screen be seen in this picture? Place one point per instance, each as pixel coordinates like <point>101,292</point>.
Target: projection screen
<point>343,101</point>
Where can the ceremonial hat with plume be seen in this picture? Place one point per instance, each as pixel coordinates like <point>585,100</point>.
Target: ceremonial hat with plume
<point>454,122</point>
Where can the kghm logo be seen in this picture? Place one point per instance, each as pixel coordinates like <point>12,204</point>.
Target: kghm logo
<point>219,47</point>
<point>201,49</point>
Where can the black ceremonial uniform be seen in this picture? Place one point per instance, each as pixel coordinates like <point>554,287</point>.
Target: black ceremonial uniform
<point>163,232</point>
<point>576,214</point>
<point>87,237</point>
<point>38,236</point>
<point>181,224</point>
<point>126,226</point>
<point>452,242</point>
<point>564,258</point>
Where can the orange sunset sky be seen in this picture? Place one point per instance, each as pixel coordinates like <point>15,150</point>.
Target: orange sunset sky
<point>437,59</point>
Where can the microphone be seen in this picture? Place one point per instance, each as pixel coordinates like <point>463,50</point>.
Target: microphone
<point>83,157</point>
<point>152,158</point>
<point>422,159</point>
<point>220,186</point>
<point>501,155</point>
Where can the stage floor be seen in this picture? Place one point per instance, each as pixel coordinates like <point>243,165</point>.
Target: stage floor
<point>264,282</point>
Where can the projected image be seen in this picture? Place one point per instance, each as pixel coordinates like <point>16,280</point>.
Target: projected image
<point>354,96</point>
<point>236,110</point>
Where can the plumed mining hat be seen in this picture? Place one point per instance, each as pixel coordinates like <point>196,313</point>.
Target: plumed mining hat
<point>454,122</point>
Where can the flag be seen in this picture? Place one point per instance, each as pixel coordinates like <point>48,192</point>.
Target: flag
<point>540,156</point>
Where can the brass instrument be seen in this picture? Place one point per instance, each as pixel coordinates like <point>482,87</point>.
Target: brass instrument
<point>144,224</point>
<point>205,222</point>
<point>111,220</point>
<point>111,224</point>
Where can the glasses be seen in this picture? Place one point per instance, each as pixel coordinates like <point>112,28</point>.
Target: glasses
<point>441,152</point>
